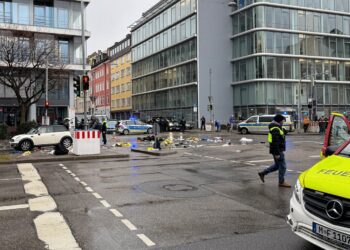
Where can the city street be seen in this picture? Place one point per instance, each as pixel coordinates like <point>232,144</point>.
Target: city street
<point>209,197</point>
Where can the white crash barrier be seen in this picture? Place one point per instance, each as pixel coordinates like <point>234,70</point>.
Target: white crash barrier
<point>208,127</point>
<point>87,142</point>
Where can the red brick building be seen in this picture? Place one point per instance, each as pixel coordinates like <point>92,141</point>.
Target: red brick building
<point>100,88</point>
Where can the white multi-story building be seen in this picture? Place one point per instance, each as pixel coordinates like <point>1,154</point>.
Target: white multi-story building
<point>54,20</point>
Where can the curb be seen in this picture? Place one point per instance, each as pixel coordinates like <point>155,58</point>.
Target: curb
<point>65,158</point>
<point>158,153</point>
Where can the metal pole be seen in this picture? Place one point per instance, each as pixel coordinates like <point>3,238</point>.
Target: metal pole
<point>211,98</point>
<point>299,106</point>
<point>46,89</point>
<point>83,54</point>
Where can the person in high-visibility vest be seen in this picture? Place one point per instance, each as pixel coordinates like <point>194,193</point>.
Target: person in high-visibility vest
<point>277,141</point>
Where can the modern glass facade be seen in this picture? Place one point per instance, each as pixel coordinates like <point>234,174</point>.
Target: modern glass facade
<point>278,43</point>
<point>164,54</point>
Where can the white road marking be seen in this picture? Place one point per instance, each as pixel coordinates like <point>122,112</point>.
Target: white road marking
<point>218,159</point>
<point>247,163</point>
<point>77,179</point>
<point>314,156</point>
<point>115,212</point>
<point>257,161</point>
<point>129,225</point>
<point>73,175</point>
<point>36,188</point>
<point>187,153</point>
<point>105,203</point>
<point>146,240</point>
<point>28,172</point>
<point>10,179</point>
<point>83,183</point>
<point>47,224</point>
<point>53,230</point>
<point>61,165</point>
<point>14,207</point>
<point>89,189</point>
<point>234,161</point>
<point>42,204</point>
<point>64,168</point>
<point>68,171</point>
<point>97,196</point>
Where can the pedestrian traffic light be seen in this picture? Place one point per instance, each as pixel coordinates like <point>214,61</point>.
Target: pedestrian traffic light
<point>77,84</point>
<point>46,104</point>
<point>86,81</point>
<point>210,107</point>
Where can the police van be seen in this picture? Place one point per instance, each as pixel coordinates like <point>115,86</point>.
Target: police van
<point>260,124</point>
<point>320,204</point>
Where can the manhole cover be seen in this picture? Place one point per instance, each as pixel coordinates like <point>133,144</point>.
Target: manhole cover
<point>179,187</point>
<point>173,188</point>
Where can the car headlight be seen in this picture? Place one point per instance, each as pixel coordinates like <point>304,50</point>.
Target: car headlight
<point>298,191</point>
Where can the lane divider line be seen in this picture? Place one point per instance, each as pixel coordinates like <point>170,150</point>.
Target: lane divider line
<point>146,240</point>
<point>97,196</point>
<point>258,161</point>
<point>14,207</point>
<point>129,225</point>
<point>83,183</point>
<point>116,212</point>
<point>105,203</point>
<point>10,179</point>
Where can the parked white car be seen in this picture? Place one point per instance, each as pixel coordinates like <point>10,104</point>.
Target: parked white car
<point>42,136</point>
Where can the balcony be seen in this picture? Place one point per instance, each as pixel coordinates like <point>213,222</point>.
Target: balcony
<point>39,16</point>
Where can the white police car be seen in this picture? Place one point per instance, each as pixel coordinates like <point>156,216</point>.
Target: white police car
<point>134,127</point>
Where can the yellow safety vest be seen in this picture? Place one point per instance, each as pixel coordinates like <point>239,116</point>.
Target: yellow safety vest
<point>269,136</point>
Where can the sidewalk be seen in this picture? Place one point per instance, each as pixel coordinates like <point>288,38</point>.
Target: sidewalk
<point>11,156</point>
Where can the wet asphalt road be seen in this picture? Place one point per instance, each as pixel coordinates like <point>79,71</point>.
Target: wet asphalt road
<point>208,197</point>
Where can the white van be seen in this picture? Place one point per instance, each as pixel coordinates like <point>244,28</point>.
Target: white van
<point>260,124</point>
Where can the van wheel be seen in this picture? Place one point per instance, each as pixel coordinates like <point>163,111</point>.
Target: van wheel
<point>126,132</point>
<point>244,131</point>
<point>149,131</point>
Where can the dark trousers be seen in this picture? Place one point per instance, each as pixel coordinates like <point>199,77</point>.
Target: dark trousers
<point>104,138</point>
<point>280,165</point>
<point>306,127</point>
<point>203,126</point>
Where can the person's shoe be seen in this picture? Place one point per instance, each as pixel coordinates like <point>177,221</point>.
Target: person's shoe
<point>285,185</point>
<point>262,176</point>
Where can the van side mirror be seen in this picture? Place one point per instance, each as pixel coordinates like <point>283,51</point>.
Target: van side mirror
<point>330,150</point>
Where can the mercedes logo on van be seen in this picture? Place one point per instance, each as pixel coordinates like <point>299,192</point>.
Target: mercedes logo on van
<point>335,209</point>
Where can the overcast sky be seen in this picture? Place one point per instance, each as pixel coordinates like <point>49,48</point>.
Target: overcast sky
<point>108,20</point>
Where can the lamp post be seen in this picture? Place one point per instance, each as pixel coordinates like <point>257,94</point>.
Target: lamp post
<point>83,55</point>
<point>46,90</point>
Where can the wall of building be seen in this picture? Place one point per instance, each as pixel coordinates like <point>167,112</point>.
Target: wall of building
<point>214,52</point>
<point>121,87</point>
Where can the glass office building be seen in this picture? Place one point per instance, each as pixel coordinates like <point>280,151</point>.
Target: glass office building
<point>279,43</point>
<point>164,55</point>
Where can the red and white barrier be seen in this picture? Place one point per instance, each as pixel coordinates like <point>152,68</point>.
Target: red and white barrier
<point>87,142</point>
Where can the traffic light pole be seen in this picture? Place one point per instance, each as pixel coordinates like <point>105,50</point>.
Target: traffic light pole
<point>46,90</point>
<point>84,59</point>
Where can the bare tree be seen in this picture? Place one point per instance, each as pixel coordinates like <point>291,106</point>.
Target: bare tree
<point>23,61</point>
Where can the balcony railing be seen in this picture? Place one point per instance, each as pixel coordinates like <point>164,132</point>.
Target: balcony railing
<point>51,17</point>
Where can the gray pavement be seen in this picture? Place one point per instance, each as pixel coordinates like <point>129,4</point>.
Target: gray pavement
<point>207,197</point>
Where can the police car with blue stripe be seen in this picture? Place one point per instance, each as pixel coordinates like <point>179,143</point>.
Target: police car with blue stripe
<point>134,127</point>
<point>260,124</point>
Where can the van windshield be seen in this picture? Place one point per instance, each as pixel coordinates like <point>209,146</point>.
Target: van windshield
<point>346,151</point>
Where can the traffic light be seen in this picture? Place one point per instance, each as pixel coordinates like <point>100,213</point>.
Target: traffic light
<point>85,81</point>
<point>309,105</point>
<point>77,84</point>
<point>46,104</point>
<point>210,107</point>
